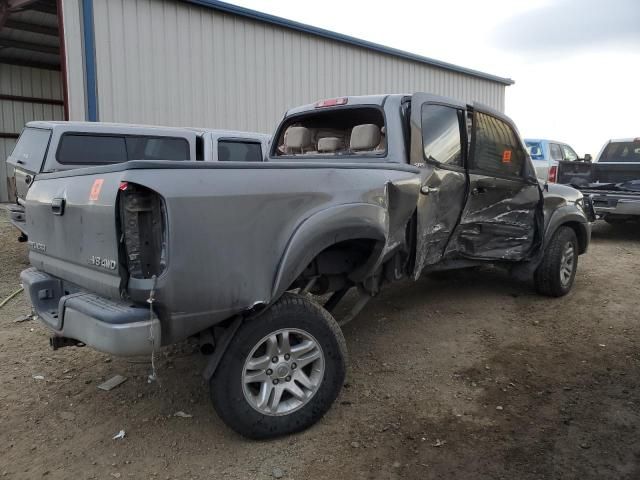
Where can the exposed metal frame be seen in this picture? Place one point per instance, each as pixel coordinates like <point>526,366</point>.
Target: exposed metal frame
<point>321,32</point>
<point>34,47</point>
<point>28,63</point>
<point>31,27</point>
<point>20,98</point>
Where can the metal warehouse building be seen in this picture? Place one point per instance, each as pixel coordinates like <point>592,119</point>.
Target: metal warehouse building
<point>193,63</point>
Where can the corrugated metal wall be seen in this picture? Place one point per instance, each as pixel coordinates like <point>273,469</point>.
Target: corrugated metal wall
<point>27,82</point>
<point>172,63</point>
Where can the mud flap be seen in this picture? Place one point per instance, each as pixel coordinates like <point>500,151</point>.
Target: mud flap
<point>221,347</point>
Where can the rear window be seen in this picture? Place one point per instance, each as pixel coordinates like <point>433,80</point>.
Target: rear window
<point>621,152</point>
<point>339,131</point>
<point>31,148</point>
<point>239,151</point>
<point>535,150</point>
<point>81,149</point>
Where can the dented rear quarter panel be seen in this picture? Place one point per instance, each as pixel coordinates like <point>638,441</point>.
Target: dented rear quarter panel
<point>231,248</point>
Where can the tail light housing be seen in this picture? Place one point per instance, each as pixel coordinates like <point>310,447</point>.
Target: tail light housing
<point>143,230</point>
<point>332,102</point>
<point>553,174</point>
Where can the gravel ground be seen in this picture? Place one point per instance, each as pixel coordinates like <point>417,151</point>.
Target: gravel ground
<point>469,375</point>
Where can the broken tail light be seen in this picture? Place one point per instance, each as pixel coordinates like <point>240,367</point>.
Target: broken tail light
<point>553,174</point>
<point>143,230</point>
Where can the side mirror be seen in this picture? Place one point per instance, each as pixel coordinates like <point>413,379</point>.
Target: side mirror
<point>587,157</point>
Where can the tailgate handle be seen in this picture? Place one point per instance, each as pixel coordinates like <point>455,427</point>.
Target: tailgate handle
<point>57,206</point>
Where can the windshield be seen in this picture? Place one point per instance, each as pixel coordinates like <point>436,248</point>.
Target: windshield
<point>535,150</point>
<point>31,149</point>
<point>335,132</point>
<point>621,152</point>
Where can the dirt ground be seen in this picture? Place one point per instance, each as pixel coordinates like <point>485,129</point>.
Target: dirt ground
<point>470,375</point>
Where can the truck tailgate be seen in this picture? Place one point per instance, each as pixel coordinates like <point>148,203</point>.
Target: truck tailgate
<point>72,229</point>
<point>575,173</point>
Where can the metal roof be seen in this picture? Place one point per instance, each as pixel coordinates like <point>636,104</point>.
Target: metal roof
<point>321,32</point>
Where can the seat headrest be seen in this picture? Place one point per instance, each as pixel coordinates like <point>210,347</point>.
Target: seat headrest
<point>330,144</point>
<point>297,138</point>
<point>365,137</point>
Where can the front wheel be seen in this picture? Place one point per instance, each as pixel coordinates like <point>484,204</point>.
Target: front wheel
<point>555,275</point>
<point>282,370</point>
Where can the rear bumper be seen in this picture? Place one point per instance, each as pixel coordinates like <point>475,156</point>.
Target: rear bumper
<point>114,327</point>
<point>611,204</point>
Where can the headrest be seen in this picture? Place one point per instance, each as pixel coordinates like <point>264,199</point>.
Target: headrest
<point>365,137</point>
<point>329,144</point>
<point>297,138</point>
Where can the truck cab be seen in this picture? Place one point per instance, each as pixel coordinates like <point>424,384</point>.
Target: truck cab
<point>480,198</point>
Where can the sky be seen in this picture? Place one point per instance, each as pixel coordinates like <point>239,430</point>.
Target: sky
<point>576,63</point>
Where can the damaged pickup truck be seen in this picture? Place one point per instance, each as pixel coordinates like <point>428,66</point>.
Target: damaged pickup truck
<point>357,192</point>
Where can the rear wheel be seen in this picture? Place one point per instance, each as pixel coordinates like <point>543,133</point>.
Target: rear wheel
<point>282,370</point>
<point>555,274</point>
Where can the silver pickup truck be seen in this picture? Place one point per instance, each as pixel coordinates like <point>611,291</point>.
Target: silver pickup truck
<point>357,192</point>
<point>56,146</point>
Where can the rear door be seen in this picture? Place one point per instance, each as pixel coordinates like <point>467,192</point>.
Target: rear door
<point>438,147</point>
<point>27,158</point>
<point>502,217</point>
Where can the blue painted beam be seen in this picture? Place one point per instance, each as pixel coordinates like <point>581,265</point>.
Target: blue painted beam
<point>90,60</point>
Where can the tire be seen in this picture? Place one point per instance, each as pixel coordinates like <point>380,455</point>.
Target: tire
<point>548,278</point>
<point>240,402</point>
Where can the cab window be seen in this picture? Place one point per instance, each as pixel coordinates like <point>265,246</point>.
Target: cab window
<point>336,132</point>
<point>441,140</point>
<point>555,151</point>
<point>569,154</point>
<point>239,151</point>
<point>496,147</point>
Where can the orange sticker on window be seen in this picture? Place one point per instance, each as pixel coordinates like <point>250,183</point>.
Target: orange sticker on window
<point>95,189</point>
<point>506,156</point>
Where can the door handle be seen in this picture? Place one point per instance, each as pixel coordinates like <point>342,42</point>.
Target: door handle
<point>426,190</point>
<point>57,206</point>
<point>478,190</point>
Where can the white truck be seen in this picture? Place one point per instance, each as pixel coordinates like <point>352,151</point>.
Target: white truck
<point>46,147</point>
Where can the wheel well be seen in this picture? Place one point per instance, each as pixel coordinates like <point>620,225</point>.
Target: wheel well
<point>333,266</point>
<point>581,235</point>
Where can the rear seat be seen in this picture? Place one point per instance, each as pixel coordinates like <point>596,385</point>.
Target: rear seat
<point>330,144</point>
<point>365,138</point>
